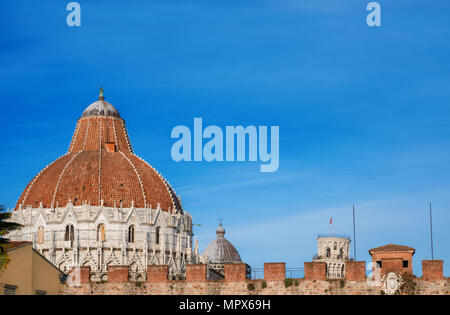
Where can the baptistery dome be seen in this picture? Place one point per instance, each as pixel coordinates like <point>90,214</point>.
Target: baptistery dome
<point>100,108</point>
<point>100,205</point>
<point>100,168</point>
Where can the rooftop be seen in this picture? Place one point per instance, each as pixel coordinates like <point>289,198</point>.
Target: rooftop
<point>13,245</point>
<point>392,248</point>
<point>334,235</point>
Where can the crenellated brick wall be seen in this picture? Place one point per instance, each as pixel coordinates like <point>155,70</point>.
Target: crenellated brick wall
<point>274,271</point>
<point>355,270</point>
<point>196,273</point>
<point>315,270</point>
<point>79,275</point>
<point>235,272</point>
<point>118,274</point>
<point>235,281</point>
<point>433,270</point>
<point>157,273</point>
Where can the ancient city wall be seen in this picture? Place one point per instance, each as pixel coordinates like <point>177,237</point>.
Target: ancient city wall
<point>235,282</point>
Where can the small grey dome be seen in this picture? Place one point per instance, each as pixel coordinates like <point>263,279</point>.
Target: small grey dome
<point>221,250</point>
<point>100,108</point>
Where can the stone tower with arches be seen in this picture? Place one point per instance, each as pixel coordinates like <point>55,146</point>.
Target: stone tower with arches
<point>334,250</point>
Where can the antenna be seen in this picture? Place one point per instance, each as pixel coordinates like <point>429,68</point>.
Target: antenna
<point>431,233</point>
<point>354,233</point>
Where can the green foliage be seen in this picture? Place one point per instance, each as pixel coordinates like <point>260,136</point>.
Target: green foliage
<point>296,283</point>
<point>263,285</point>
<point>251,287</point>
<point>408,285</point>
<point>4,259</point>
<point>341,283</point>
<point>5,228</point>
<point>288,282</point>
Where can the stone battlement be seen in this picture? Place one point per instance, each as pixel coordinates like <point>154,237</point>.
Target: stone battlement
<point>236,282</point>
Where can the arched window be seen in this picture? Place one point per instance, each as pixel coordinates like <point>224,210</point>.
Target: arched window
<point>328,252</point>
<point>131,234</point>
<point>40,235</point>
<point>101,233</point>
<point>157,235</point>
<point>70,233</point>
<point>335,246</point>
<point>341,253</point>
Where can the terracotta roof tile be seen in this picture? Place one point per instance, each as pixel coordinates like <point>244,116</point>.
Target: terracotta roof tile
<point>14,245</point>
<point>100,165</point>
<point>391,248</point>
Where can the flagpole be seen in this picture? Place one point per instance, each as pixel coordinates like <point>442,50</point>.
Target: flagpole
<point>354,233</point>
<point>431,234</point>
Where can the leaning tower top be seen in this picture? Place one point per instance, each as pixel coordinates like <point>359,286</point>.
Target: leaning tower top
<point>333,246</point>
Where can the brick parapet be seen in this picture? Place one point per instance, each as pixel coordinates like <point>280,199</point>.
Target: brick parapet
<point>315,270</point>
<point>196,272</point>
<point>433,270</point>
<point>157,273</point>
<point>274,271</point>
<point>235,272</point>
<point>355,270</point>
<point>117,274</point>
<point>308,287</point>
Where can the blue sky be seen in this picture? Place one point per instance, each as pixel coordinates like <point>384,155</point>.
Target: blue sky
<point>363,112</point>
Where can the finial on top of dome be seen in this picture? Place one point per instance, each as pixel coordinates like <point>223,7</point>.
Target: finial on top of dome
<point>101,96</point>
<point>220,232</point>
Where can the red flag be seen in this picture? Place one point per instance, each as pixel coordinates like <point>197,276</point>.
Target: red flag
<point>331,220</point>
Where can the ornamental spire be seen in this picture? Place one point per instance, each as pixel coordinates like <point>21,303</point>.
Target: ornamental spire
<point>220,232</point>
<point>101,95</point>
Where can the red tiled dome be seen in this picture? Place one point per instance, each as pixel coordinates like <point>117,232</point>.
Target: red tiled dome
<point>100,166</point>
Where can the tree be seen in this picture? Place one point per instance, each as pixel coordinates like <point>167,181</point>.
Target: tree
<point>5,228</point>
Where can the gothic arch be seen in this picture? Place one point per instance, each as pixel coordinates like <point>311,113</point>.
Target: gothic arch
<point>40,235</point>
<point>131,233</point>
<point>63,266</point>
<point>158,235</point>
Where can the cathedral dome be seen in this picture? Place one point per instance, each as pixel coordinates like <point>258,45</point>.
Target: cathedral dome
<point>100,168</point>
<point>220,250</point>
